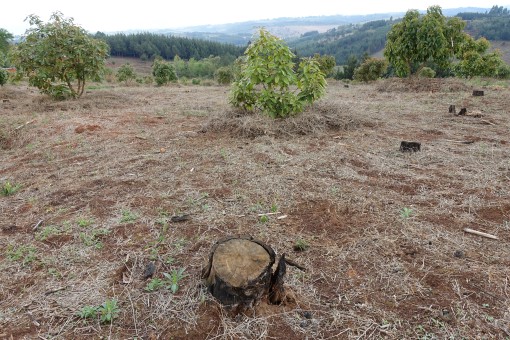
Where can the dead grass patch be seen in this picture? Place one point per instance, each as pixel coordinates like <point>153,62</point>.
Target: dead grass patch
<point>314,120</point>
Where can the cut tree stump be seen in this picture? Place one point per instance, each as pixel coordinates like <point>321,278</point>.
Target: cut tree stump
<point>239,273</point>
<point>410,146</point>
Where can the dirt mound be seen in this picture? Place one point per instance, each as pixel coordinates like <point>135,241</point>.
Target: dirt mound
<point>313,121</point>
<point>422,85</point>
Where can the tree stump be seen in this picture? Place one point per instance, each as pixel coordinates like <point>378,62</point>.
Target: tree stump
<point>410,146</point>
<point>239,271</point>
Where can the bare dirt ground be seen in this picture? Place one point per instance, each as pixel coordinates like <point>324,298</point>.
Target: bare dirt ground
<point>101,177</point>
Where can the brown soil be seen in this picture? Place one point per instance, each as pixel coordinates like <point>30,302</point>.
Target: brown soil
<point>106,173</point>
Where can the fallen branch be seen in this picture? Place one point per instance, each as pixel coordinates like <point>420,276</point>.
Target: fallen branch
<point>294,264</point>
<point>37,225</point>
<point>486,122</point>
<point>23,125</point>
<point>268,214</point>
<point>460,141</point>
<point>480,233</point>
<point>54,290</point>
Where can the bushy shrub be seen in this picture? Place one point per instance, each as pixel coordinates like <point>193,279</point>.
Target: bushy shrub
<point>504,72</point>
<point>371,69</point>
<point>163,72</point>
<point>426,72</point>
<point>126,73</point>
<point>224,75</point>
<point>475,64</point>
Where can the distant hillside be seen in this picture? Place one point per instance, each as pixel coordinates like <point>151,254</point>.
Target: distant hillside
<point>344,41</point>
<point>241,33</point>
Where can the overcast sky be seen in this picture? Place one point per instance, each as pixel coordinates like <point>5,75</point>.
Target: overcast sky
<point>109,16</point>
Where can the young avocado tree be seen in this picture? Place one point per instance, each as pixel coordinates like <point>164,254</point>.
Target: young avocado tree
<point>58,57</point>
<point>267,80</point>
<point>126,73</point>
<point>163,72</point>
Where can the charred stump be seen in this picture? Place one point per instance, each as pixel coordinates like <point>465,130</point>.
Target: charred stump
<point>410,146</point>
<point>239,273</point>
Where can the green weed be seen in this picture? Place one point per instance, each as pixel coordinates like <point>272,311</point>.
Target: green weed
<point>84,222</point>
<point>301,245</point>
<point>8,189</point>
<point>264,219</point>
<point>174,277</point>
<point>24,253</point>
<point>154,284</point>
<point>128,216</point>
<point>93,238</point>
<point>46,232</point>
<point>171,281</point>
<point>406,212</point>
<point>88,312</point>
<point>108,311</point>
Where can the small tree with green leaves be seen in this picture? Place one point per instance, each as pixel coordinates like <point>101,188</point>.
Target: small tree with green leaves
<point>126,73</point>
<point>58,57</point>
<point>371,69</point>
<point>224,75</point>
<point>163,72</point>
<point>267,80</point>
<point>417,40</point>
<point>475,61</point>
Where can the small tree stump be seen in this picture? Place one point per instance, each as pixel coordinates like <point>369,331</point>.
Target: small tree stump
<point>410,146</point>
<point>478,93</point>
<point>239,271</point>
<point>451,109</point>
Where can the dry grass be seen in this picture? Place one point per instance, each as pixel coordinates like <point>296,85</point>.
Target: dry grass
<point>105,174</point>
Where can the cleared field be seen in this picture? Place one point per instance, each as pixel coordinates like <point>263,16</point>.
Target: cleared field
<point>99,179</point>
